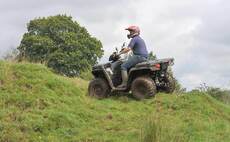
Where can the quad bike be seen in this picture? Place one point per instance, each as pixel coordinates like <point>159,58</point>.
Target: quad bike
<point>145,79</point>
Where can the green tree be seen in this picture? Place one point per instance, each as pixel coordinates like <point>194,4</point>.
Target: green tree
<point>152,56</point>
<point>61,43</point>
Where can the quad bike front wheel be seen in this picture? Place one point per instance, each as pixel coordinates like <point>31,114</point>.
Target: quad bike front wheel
<point>98,88</point>
<point>143,88</point>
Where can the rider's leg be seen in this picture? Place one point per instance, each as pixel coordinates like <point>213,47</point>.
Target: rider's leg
<point>115,65</point>
<point>126,65</point>
<point>124,76</point>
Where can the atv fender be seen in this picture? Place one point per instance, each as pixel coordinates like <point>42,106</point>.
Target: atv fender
<point>101,73</point>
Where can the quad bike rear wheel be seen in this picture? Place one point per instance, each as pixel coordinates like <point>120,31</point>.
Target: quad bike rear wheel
<point>143,88</point>
<point>98,88</point>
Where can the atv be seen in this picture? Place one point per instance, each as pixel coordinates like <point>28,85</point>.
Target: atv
<point>145,79</point>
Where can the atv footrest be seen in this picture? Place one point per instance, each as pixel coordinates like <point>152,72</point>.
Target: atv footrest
<point>119,89</point>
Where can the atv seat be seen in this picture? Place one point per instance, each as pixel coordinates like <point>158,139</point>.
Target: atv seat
<point>141,64</point>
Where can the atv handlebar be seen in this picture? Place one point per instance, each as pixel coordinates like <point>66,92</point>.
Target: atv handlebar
<point>114,57</point>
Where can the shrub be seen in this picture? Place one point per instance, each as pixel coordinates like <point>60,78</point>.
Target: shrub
<point>220,94</point>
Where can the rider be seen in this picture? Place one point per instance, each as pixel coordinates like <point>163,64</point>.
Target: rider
<point>140,53</point>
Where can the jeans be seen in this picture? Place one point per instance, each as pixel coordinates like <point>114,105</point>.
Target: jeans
<point>132,61</point>
<point>115,64</point>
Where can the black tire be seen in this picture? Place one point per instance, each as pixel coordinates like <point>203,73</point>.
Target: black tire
<point>170,83</point>
<point>143,88</point>
<point>98,88</point>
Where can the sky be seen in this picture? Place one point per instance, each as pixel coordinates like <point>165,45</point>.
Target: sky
<point>195,33</point>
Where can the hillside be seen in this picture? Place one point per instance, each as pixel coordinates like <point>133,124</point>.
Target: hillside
<point>37,105</point>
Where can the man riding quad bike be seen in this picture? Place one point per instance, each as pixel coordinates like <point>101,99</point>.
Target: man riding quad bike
<point>135,73</point>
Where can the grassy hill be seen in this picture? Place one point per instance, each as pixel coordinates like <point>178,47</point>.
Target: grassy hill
<point>37,105</point>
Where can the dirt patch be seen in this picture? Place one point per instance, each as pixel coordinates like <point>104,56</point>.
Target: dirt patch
<point>41,104</point>
<point>109,116</point>
<point>15,76</point>
<point>1,83</point>
<point>28,86</point>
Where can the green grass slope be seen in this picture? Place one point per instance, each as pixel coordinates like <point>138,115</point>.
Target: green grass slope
<point>37,105</point>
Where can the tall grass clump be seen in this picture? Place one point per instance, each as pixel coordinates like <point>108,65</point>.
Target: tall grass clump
<point>155,130</point>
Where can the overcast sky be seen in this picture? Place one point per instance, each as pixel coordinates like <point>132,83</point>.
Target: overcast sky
<point>195,32</point>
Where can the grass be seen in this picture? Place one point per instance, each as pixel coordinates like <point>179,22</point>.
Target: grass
<point>190,117</point>
<point>37,105</point>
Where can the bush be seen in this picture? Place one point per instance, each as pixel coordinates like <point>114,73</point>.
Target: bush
<point>178,87</point>
<point>220,94</point>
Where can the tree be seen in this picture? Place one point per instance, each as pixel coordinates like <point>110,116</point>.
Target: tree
<point>152,56</point>
<point>61,43</point>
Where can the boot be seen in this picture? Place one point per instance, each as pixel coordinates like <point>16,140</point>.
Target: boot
<point>124,76</point>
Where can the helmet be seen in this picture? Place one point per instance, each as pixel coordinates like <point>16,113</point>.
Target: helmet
<point>134,30</point>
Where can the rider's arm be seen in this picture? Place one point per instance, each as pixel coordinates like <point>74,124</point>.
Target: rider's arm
<point>125,50</point>
<point>130,46</point>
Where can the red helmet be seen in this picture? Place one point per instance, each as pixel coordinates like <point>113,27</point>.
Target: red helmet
<point>136,29</point>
